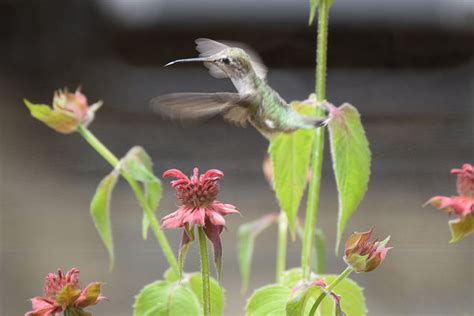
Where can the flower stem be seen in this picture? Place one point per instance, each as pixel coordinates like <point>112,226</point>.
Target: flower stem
<point>281,250</point>
<point>206,289</point>
<point>329,289</point>
<point>318,143</point>
<point>114,161</point>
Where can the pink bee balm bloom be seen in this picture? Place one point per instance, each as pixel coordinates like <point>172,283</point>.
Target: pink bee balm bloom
<point>199,207</point>
<point>62,292</point>
<point>198,197</point>
<point>462,204</point>
<point>364,255</point>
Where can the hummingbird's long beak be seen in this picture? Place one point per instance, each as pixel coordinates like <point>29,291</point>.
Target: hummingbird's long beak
<point>190,60</point>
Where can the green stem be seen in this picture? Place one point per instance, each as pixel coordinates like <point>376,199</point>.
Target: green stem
<point>137,189</point>
<point>318,142</point>
<point>329,289</point>
<point>206,289</point>
<point>281,250</point>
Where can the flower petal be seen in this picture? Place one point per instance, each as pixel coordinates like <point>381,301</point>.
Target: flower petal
<point>175,173</point>
<point>43,307</point>
<point>213,173</point>
<point>356,239</point>
<point>196,217</point>
<point>458,204</point>
<point>213,232</point>
<point>215,218</point>
<point>224,209</point>
<point>173,220</point>
<point>90,295</point>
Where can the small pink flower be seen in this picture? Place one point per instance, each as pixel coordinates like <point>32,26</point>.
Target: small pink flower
<point>364,255</point>
<point>62,292</point>
<point>199,207</point>
<point>68,112</point>
<point>461,205</point>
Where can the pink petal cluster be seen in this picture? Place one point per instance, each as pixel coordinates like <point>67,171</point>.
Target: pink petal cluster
<point>463,203</point>
<point>199,207</point>
<point>198,200</point>
<point>62,292</point>
<point>364,255</point>
<point>73,103</point>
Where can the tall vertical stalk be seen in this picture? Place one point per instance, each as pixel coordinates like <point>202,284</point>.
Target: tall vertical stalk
<point>206,288</point>
<point>155,226</point>
<point>318,143</point>
<point>282,241</point>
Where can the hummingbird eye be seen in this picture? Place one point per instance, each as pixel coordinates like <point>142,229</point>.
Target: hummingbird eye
<point>226,61</point>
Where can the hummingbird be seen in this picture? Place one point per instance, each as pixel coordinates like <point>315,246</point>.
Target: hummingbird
<point>254,102</point>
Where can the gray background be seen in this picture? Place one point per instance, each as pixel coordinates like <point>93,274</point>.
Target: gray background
<point>406,65</point>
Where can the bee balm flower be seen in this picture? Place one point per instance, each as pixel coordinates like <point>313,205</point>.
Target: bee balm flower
<point>461,205</point>
<point>199,207</point>
<point>63,293</point>
<point>69,110</point>
<point>364,255</point>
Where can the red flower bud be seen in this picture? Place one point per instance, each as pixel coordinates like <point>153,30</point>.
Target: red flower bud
<point>69,110</point>
<point>364,255</point>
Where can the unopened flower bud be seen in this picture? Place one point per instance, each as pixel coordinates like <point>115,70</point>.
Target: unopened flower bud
<point>364,255</point>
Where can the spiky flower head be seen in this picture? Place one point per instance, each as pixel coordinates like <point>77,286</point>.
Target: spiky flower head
<point>62,292</point>
<point>199,206</point>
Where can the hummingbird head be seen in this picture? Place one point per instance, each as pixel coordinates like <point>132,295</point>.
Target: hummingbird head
<point>232,62</point>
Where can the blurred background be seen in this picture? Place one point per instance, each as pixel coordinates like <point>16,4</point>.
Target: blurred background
<point>407,65</point>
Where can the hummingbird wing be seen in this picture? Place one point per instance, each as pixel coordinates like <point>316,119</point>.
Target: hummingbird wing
<point>207,47</point>
<point>201,106</point>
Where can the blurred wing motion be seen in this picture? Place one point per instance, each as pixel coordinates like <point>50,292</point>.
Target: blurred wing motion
<point>207,47</point>
<point>201,106</point>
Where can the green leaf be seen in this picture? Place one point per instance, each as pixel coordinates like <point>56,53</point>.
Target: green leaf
<point>302,300</point>
<point>139,165</point>
<point>352,298</point>
<point>60,121</point>
<point>313,5</point>
<point>217,294</point>
<point>247,234</point>
<point>351,161</point>
<point>291,277</point>
<point>268,300</point>
<point>461,227</point>
<point>290,154</point>
<point>100,212</point>
<point>163,298</point>
<point>153,197</point>
<point>170,275</point>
